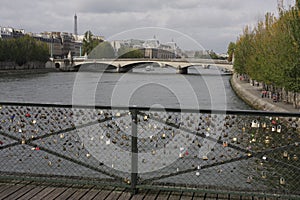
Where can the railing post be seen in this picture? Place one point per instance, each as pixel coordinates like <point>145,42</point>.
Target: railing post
<point>134,152</point>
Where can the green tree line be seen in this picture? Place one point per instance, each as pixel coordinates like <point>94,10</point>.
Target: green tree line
<point>23,50</point>
<point>270,52</point>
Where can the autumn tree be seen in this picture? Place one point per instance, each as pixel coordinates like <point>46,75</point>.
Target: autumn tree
<point>89,42</point>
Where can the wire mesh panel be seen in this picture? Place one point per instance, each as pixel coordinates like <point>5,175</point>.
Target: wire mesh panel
<point>227,152</point>
<point>141,147</point>
<point>58,142</point>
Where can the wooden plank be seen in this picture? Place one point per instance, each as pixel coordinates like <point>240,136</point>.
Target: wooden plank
<point>223,197</point>
<point>235,197</point>
<point>199,196</point>
<point>55,193</point>
<point>186,196</point>
<point>126,195</point>
<point>140,195</point>
<point>246,198</point>
<point>4,187</point>
<point>258,198</point>
<point>32,193</point>
<point>66,194</point>
<point>112,194</point>
<point>163,195</point>
<point>79,193</point>
<point>151,195</point>
<point>211,197</point>
<point>20,192</point>
<point>175,196</point>
<point>43,193</point>
<point>90,194</point>
<point>104,194</point>
<point>10,191</point>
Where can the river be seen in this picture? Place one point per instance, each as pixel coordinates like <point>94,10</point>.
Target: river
<point>162,87</point>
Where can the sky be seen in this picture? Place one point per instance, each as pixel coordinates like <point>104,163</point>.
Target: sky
<point>192,24</point>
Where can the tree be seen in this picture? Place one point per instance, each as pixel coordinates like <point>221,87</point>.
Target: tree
<point>89,42</point>
<point>230,51</point>
<point>102,50</point>
<point>127,52</point>
<point>243,51</point>
<point>270,52</point>
<point>23,50</point>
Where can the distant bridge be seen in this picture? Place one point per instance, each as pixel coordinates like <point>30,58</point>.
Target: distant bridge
<point>125,65</point>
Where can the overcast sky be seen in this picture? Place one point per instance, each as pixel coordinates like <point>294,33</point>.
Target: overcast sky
<point>211,24</point>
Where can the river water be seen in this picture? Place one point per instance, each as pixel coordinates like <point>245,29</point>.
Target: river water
<point>161,87</point>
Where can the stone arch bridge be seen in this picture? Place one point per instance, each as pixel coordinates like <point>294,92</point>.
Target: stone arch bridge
<point>125,65</point>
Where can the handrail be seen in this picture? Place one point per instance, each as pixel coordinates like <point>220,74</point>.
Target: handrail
<point>157,109</point>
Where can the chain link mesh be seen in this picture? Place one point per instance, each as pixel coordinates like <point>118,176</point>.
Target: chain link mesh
<point>213,151</point>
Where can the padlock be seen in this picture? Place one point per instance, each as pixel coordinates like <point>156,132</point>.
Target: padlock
<point>145,118</point>
<point>254,124</point>
<point>264,175</point>
<point>267,141</point>
<point>273,128</point>
<point>264,157</point>
<point>204,157</point>
<point>249,179</point>
<point>282,181</point>
<point>279,129</point>
<point>295,157</point>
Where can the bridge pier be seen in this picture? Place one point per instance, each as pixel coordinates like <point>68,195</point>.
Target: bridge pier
<point>181,70</point>
<point>121,69</point>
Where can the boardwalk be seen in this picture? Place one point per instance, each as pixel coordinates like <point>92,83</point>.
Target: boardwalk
<point>34,191</point>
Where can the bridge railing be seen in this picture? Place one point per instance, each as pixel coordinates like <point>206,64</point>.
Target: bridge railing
<point>243,152</point>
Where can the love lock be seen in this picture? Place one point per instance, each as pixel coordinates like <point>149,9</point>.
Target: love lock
<point>204,157</point>
<point>278,128</point>
<point>273,128</point>
<point>285,154</point>
<point>282,181</point>
<point>264,175</point>
<point>249,179</point>
<point>255,124</point>
<point>295,157</point>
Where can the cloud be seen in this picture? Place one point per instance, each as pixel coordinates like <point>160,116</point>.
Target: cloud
<point>214,23</point>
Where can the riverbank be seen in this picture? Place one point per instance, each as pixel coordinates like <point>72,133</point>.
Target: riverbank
<point>27,71</point>
<point>252,96</point>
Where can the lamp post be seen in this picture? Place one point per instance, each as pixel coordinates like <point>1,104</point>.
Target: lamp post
<point>51,48</point>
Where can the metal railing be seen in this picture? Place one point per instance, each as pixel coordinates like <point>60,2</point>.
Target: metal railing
<point>242,152</point>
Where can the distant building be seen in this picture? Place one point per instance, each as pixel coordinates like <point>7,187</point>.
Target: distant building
<point>9,32</point>
<point>151,48</point>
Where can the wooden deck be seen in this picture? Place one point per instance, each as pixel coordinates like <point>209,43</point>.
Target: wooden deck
<point>33,191</point>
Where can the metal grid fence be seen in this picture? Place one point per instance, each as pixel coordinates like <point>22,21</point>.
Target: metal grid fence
<point>219,151</point>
